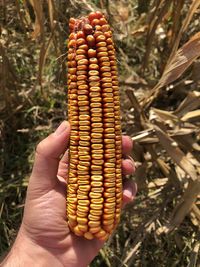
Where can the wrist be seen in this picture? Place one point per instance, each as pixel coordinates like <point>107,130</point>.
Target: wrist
<point>25,252</point>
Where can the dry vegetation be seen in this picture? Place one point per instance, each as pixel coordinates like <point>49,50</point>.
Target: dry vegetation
<point>158,45</point>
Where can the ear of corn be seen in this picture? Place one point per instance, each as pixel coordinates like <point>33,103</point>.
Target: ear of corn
<point>94,190</point>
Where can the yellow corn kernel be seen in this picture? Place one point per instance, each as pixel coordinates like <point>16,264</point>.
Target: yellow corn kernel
<point>94,190</point>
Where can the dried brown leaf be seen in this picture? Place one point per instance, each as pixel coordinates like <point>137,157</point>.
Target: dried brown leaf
<point>156,19</point>
<point>51,12</point>
<point>159,182</point>
<point>43,55</point>
<point>139,115</point>
<point>176,153</point>
<point>139,32</point>
<point>183,58</point>
<point>176,21</point>
<point>123,11</point>
<point>191,102</point>
<point>196,211</point>
<point>192,115</point>
<point>21,17</point>
<point>193,7</point>
<point>140,176</point>
<point>39,18</point>
<point>186,203</point>
<point>183,207</point>
<point>165,115</point>
<point>168,172</point>
<point>194,255</point>
<point>188,142</point>
<point>147,140</point>
<point>182,132</point>
<point>142,134</point>
<point>194,219</point>
<point>181,61</point>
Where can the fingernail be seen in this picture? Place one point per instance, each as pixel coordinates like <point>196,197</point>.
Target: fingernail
<point>130,138</point>
<point>134,189</point>
<point>62,128</point>
<point>131,164</point>
<point>128,193</point>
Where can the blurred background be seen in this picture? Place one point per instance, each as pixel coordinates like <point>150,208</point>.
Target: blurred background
<point>158,49</point>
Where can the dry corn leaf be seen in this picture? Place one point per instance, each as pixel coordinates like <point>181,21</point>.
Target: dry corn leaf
<point>155,20</point>
<point>140,176</point>
<point>192,115</point>
<point>140,117</point>
<point>175,17</point>
<point>186,138</point>
<point>181,132</point>
<point>139,32</point>
<point>183,207</point>
<point>168,172</point>
<point>194,255</point>
<point>195,71</point>
<point>39,18</point>
<point>193,7</point>
<point>27,17</point>
<point>186,203</point>
<point>147,140</point>
<point>195,162</point>
<point>179,239</point>
<point>189,142</point>
<point>181,175</point>
<point>191,102</point>
<point>193,219</point>
<point>182,59</point>
<point>159,182</point>
<point>165,115</point>
<point>51,12</point>
<point>180,62</point>
<point>142,134</point>
<point>123,11</point>
<point>144,137</point>
<point>175,153</point>
<point>153,15</point>
<point>196,211</point>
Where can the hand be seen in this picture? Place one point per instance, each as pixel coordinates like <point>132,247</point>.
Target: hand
<point>44,235</point>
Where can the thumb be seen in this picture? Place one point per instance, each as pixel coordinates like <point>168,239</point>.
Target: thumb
<point>48,152</point>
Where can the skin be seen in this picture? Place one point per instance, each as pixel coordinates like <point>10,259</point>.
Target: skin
<point>44,238</point>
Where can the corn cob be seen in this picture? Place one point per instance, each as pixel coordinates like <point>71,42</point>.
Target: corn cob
<point>94,190</point>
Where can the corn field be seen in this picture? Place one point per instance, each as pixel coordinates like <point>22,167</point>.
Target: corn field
<point>158,54</point>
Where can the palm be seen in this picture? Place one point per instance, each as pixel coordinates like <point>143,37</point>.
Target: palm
<point>44,236</point>
<point>45,221</point>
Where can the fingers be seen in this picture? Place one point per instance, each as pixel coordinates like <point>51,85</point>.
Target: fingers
<point>128,166</point>
<point>129,191</point>
<point>63,166</point>
<point>47,157</point>
<point>127,145</point>
<point>65,157</point>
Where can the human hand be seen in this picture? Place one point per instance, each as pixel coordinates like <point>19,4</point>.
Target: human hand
<point>44,238</point>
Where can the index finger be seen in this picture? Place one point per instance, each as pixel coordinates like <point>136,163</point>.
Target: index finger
<point>127,145</point>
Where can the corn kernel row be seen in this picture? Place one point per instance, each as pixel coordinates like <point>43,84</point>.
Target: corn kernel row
<point>94,190</point>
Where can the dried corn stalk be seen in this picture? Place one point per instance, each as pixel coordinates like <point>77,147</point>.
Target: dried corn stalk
<point>94,190</point>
